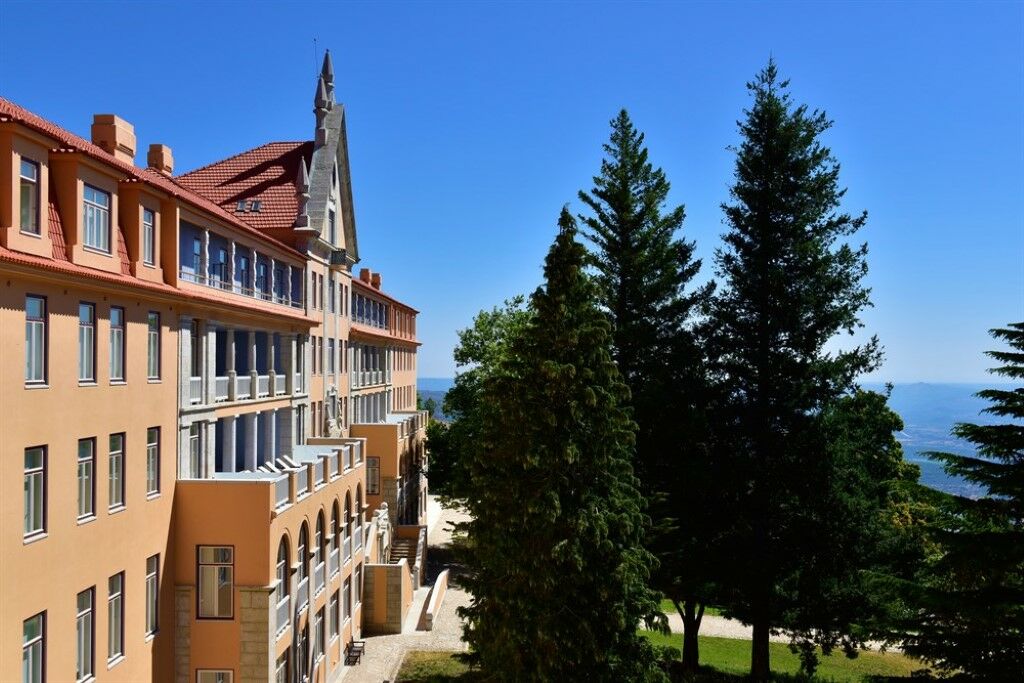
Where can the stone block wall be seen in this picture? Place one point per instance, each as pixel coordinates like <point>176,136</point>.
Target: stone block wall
<point>254,614</point>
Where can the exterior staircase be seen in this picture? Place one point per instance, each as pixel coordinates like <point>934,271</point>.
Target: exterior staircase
<point>403,547</point>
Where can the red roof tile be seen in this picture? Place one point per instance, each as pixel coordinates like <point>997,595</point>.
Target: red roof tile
<point>60,248</point>
<point>266,174</point>
<point>11,111</point>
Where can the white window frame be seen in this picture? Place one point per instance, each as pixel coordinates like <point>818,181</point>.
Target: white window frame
<point>115,617</point>
<point>117,344</point>
<point>86,342</point>
<point>152,461</point>
<point>148,237</point>
<point>217,566</point>
<point>115,472</point>
<point>152,594</point>
<point>153,346</point>
<point>33,650</point>
<point>36,341</point>
<point>96,218</point>
<point>85,631</point>
<point>86,480</point>
<point>32,183</point>
<point>35,490</point>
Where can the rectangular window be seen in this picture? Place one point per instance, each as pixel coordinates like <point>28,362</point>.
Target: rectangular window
<point>86,481</point>
<point>216,581</point>
<point>262,285</point>
<point>85,636</point>
<point>152,594</point>
<point>197,258</point>
<point>359,583</point>
<point>243,272</point>
<point>153,346</point>
<point>148,237</point>
<point>116,344</point>
<point>96,217</point>
<point>332,615</point>
<point>35,491</point>
<point>116,471</point>
<point>35,340</point>
<point>29,196</point>
<point>330,356</point>
<point>211,676</point>
<point>318,636</point>
<point>195,445</point>
<point>115,616</point>
<point>330,294</point>
<point>346,596</point>
<point>373,476</point>
<point>33,649</point>
<point>220,271</point>
<point>152,461</point>
<point>86,342</point>
<point>281,670</point>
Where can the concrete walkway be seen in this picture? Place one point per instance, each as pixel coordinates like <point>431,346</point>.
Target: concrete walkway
<point>384,654</point>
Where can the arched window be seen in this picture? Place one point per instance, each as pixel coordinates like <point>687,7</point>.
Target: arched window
<point>346,533</point>
<point>301,553</point>
<point>332,537</point>
<point>282,572</point>
<point>359,508</point>
<point>318,547</point>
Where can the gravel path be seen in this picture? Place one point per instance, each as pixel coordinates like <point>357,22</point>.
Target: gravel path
<point>722,628</point>
<point>384,654</point>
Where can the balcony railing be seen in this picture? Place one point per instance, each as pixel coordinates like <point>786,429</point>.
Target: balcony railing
<point>195,389</point>
<point>219,282</point>
<point>348,458</point>
<point>332,464</point>
<point>284,614</point>
<point>358,535</point>
<point>302,594</point>
<point>243,387</point>
<point>282,492</point>
<point>301,482</point>
<point>263,385</point>
<point>333,561</point>
<point>319,577</point>
<point>221,388</point>
<point>279,384</point>
<point>297,385</point>
<point>318,471</point>
<point>359,452</point>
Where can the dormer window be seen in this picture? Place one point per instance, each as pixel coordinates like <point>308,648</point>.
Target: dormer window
<point>256,206</point>
<point>240,206</point>
<point>148,236</point>
<point>29,196</point>
<point>96,216</point>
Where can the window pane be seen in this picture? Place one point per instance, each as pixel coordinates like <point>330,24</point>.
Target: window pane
<point>85,477</point>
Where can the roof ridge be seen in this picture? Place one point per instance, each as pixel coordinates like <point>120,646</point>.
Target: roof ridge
<point>242,153</point>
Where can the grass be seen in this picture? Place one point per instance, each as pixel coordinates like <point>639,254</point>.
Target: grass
<point>732,656</point>
<point>723,659</point>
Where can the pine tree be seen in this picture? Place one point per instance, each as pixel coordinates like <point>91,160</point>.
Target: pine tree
<point>644,272</point>
<point>558,576</point>
<point>791,283</point>
<point>970,609</point>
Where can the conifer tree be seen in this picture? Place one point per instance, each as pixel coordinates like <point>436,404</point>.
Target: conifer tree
<point>970,608</point>
<point>791,283</point>
<point>557,572</point>
<point>644,271</point>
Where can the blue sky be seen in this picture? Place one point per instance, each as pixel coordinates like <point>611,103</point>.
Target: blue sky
<point>471,124</point>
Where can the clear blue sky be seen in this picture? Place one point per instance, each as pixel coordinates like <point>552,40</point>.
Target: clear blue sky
<point>470,124</point>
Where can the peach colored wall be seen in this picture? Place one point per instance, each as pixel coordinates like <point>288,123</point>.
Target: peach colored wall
<point>12,148</point>
<point>46,574</point>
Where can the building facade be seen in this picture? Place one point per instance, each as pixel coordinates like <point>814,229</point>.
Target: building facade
<point>213,458</point>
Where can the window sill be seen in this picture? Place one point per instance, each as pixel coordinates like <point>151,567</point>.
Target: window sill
<point>97,250</point>
<point>118,383</point>
<point>86,382</point>
<point>37,385</point>
<point>37,536</point>
<point>86,519</point>
<point>31,233</point>
<point>154,380</point>
<point>153,495</point>
<point>150,637</point>
<point>149,265</point>
<point>117,509</point>
<point>111,663</point>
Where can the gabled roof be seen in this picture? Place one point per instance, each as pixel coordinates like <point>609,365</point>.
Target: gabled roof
<point>265,174</point>
<point>10,111</point>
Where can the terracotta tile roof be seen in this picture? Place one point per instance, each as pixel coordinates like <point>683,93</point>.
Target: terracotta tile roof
<point>60,248</point>
<point>356,282</point>
<point>266,174</point>
<point>12,112</point>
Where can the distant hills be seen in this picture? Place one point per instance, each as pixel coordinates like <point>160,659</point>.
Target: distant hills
<point>929,411</point>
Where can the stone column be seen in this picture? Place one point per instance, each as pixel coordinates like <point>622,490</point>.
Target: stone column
<point>209,363</point>
<point>288,362</point>
<point>184,360</point>
<point>288,285</point>
<point>204,258</point>
<point>228,443</point>
<point>268,423</point>
<point>272,278</point>
<point>208,449</point>
<point>286,431</point>
<point>249,420</point>
<point>229,271</point>
<point>229,361</point>
<point>184,469</point>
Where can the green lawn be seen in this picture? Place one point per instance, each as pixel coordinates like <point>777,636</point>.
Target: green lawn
<point>732,656</point>
<point>725,660</point>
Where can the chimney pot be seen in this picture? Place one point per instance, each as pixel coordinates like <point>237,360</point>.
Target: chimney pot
<point>375,280</point>
<point>364,275</point>
<point>160,159</point>
<point>115,136</point>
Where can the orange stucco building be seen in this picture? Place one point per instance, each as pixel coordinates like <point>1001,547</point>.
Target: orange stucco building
<point>213,462</point>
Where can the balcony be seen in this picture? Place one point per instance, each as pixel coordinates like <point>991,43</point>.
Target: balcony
<point>262,386</point>
<point>301,482</point>
<point>302,594</point>
<point>243,386</point>
<point>333,562</point>
<point>186,274</point>
<point>319,578</point>
<point>358,535</point>
<point>195,390</point>
<point>297,385</point>
<point>279,382</point>
<point>283,614</point>
<point>220,389</point>
<point>282,492</point>
<point>319,474</point>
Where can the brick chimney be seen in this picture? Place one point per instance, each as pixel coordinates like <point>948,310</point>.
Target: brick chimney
<point>114,135</point>
<point>160,158</point>
<point>364,275</point>
<point>375,280</point>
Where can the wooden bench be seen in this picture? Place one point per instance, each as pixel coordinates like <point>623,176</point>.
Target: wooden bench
<point>354,652</point>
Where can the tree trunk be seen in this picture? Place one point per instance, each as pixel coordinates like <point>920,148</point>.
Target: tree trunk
<point>692,613</point>
<point>760,667</point>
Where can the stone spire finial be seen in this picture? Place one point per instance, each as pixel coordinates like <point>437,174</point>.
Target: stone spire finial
<point>327,73</point>
<point>302,190</point>
<point>321,101</point>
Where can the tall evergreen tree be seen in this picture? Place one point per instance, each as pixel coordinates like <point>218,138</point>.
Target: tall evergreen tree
<point>644,271</point>
<point>791,284</point>
<point>558,575</point>
<point>970,608</point>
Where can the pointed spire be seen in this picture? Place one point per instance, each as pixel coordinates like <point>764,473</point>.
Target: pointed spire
<point>321,101</point>
<point>302,179</point>
<point>302,190</point>
<point>327,71</point>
